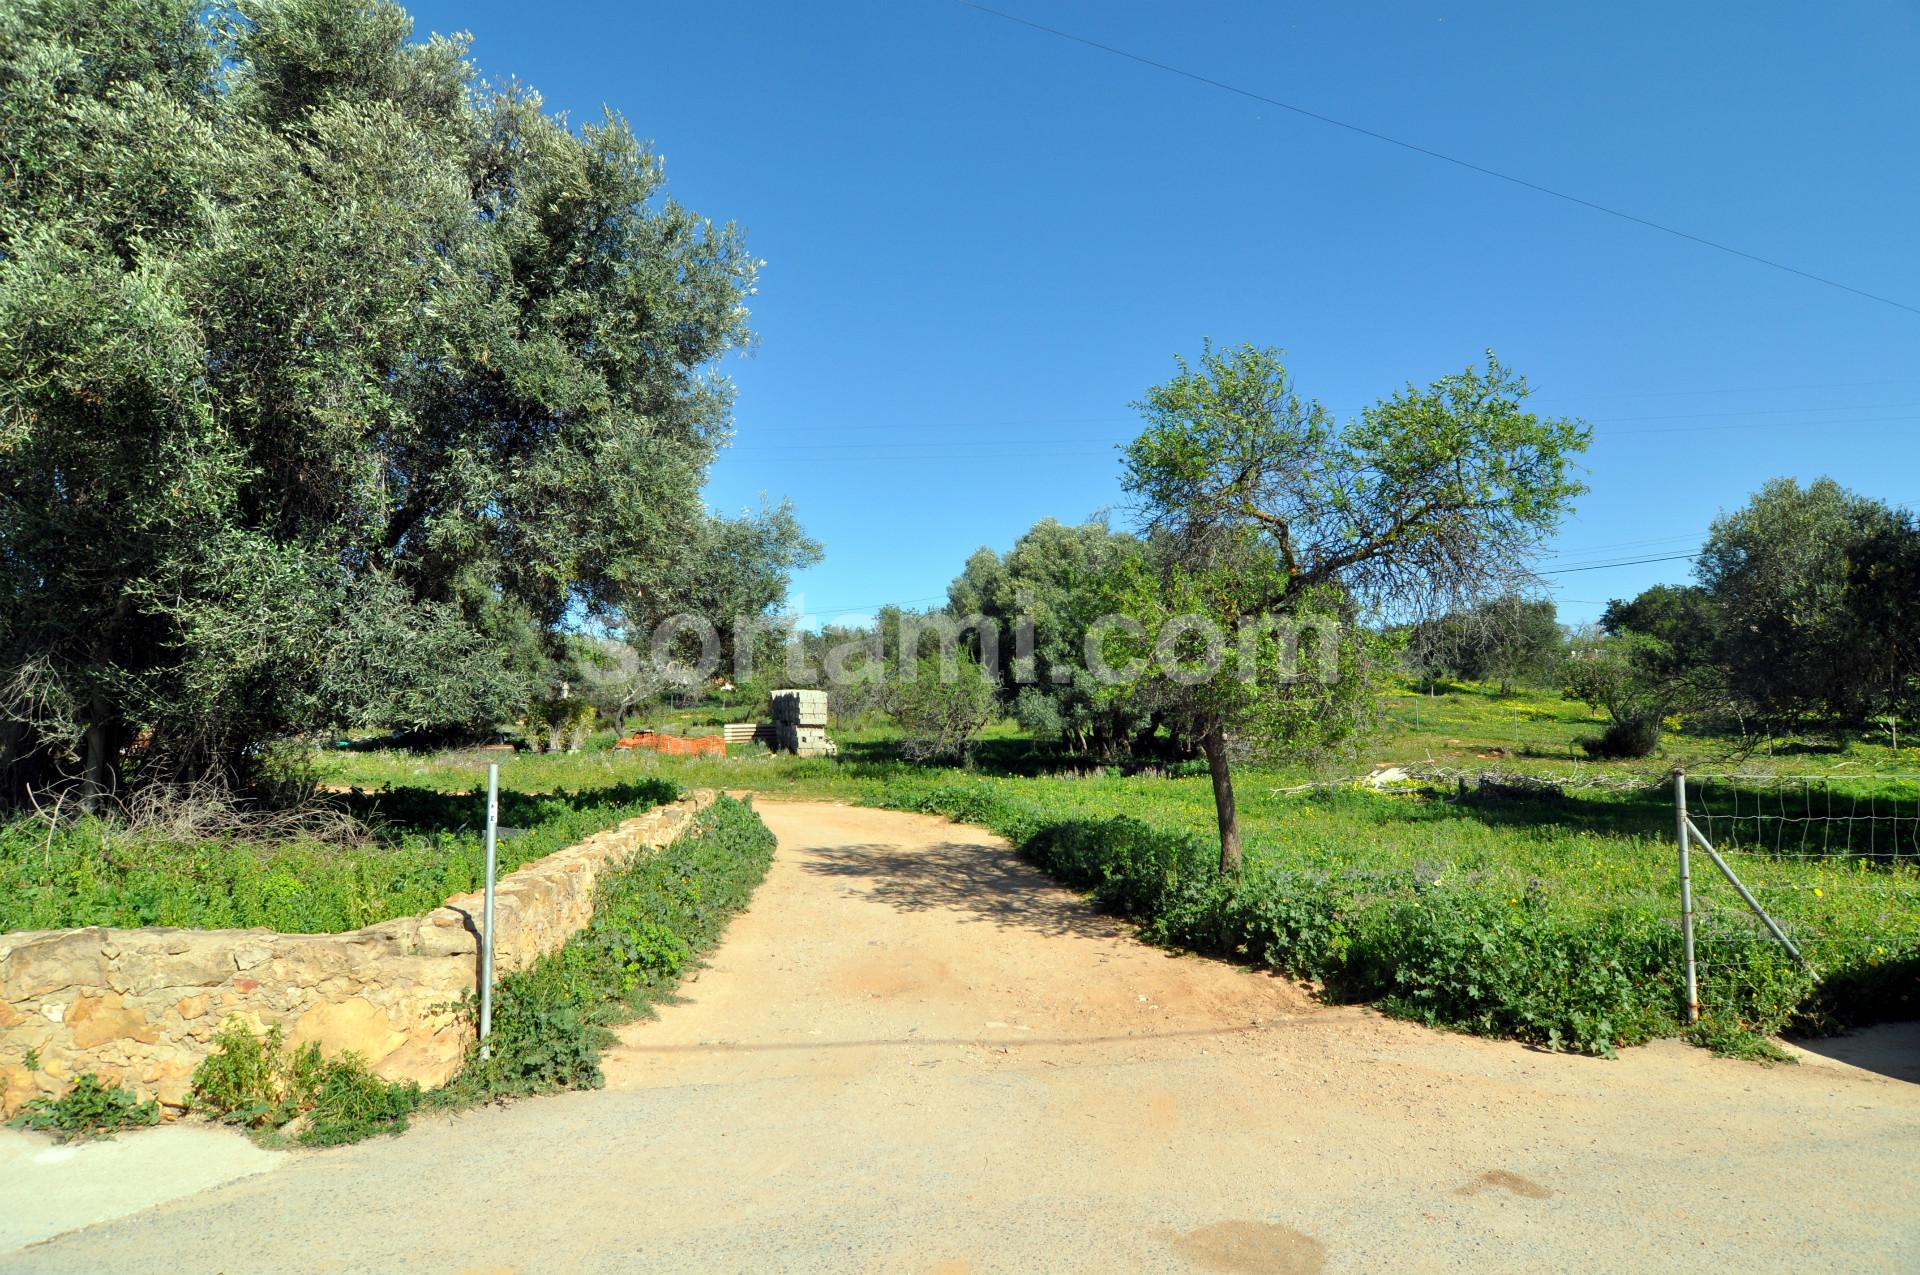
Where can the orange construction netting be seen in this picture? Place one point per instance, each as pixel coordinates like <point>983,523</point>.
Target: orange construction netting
<point>676,746</point>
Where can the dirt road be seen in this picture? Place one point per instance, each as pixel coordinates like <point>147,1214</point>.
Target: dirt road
<point>914,1054</point>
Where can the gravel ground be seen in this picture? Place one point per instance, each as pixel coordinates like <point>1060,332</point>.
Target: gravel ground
<point>914,1054</point>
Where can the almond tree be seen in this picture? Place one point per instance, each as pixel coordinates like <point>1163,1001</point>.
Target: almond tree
<point>1266,509</point>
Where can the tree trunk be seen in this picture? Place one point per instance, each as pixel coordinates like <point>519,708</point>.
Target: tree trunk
<point>97,782</point>
<point>14,775</point>
<point>1213,742</point>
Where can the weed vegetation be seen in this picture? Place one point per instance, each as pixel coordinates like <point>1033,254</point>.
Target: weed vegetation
<point>427,846</point>
<point>653,917</point>
<point>258,1083</point>
<point>90,1108</point>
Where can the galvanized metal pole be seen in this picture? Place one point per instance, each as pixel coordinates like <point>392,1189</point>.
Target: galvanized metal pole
<point>486,936</point>
<point>1684,827</point>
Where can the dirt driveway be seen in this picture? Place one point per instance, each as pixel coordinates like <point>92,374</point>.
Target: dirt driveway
<point>914,1054</point>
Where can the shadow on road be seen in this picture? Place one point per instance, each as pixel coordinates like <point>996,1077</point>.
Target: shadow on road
<point>987,884</point>
<point>1891,1050</point>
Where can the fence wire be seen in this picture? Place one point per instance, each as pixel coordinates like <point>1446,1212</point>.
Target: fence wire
<point>1836,863</point>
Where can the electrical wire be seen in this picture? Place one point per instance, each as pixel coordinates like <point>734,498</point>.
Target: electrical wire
<point>1443,157</point>
<point>1624,562</point>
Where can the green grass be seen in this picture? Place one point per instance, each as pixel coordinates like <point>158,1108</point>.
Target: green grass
<point>1473,727</point>
<point>1550,919</point>
<point>428,847</point>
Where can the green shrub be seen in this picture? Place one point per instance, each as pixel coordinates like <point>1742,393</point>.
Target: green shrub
<point>1634,737</point>
<point>1130,868</point>
<point>90,1108</point>
<point>247,1080</point>
<point>652,919</point>
<point>258,1083</point>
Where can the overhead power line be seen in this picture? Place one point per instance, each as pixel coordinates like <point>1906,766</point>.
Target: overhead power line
<point>1763,411</point>
<point>1443,157</point>
<point>1624,562</point>
<point>819,611</point>
<point>1728,389</point>
<point>1651,544</point>
<point>1597,566</point>
<point>1123,422</point>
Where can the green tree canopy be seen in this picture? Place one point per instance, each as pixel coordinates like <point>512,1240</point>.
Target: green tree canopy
<point>1883,602</point>
<point>1789,603</point>
<point>333,377</point>
<point>1508,639</point>
<point>1682,617</point>
<point>1055,583</point>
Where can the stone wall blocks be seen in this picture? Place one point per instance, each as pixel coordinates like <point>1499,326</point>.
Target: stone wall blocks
<point>53,960</point>
<point>143,1006</point>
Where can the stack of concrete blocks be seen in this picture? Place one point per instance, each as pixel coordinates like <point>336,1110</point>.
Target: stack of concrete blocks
<point>799,723</point>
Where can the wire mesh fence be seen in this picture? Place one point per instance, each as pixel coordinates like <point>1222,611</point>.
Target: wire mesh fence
<point>1805,893</point>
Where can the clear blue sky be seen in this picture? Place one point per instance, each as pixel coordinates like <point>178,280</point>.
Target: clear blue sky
<point>983,242</point>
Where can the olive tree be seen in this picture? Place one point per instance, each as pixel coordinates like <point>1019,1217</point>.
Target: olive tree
<point>940,704</point>
<point>1508,639</point>
<point>299,316</point>
<point>1779,574</point>
<point>1046,592</point>
<point>1433,499</point>
<point>618,678</point>
<point>1625,675</point>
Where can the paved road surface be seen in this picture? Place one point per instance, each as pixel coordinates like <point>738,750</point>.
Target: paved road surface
<point>913,1054</point>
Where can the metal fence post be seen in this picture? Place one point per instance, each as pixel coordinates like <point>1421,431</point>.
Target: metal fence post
<point>486,936</point>
<point>1683,826</point>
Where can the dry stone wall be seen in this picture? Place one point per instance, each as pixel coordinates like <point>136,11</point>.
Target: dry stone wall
<point>142,1006</point>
